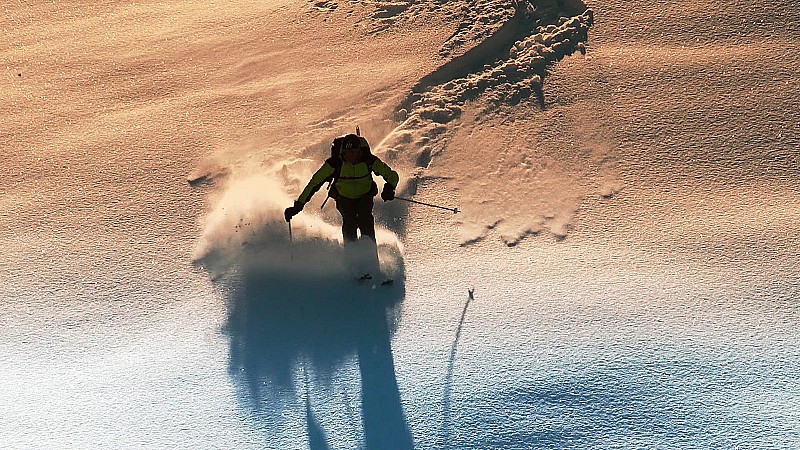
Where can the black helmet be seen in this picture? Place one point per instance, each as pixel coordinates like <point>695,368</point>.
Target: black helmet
<point>351,141</point>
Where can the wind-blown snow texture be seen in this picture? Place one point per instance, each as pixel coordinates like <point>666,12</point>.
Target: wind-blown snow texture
<point>623,274</point>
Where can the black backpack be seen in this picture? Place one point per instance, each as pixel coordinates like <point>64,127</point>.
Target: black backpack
<point>335,161</point>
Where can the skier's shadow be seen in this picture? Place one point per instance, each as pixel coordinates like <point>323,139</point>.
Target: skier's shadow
<point>282,325</point>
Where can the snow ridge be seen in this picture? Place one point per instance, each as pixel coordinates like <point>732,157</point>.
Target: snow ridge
<point>439,97</point>
<point>503,70</point>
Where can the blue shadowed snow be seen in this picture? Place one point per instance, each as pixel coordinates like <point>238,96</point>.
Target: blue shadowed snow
<point>294,332</point>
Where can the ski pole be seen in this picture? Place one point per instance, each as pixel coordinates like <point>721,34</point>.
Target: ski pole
<point>330,185</point>
<point>291,241</point>
<point>455,210</point>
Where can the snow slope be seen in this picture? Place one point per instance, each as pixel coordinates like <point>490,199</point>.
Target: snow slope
<point>623,273</point>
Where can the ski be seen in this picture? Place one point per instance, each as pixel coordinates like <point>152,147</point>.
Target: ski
<point>363,279</point>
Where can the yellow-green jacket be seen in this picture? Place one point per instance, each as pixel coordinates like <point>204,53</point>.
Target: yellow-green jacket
<point>350,180</point>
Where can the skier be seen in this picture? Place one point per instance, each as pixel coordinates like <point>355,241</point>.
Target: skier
<point>350,170</point>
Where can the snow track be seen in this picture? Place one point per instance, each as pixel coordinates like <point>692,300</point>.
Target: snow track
<point>508,66</point>
<point>504,70</point>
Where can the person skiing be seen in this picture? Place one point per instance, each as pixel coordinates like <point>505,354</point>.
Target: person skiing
<point>350,169</point>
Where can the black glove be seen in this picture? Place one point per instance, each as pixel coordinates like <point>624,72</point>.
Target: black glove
<point>388,192</point>
<point>293,210</point>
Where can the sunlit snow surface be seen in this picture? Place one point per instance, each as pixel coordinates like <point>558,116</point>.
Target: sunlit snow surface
<point>623,274</point>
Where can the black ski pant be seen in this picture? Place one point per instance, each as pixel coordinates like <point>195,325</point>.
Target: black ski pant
<point>356,215</point>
